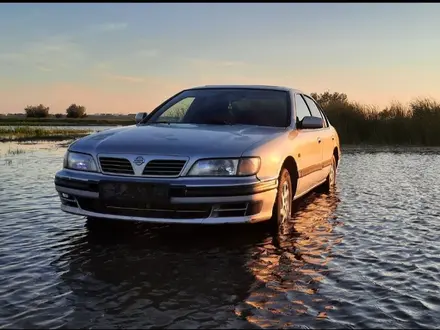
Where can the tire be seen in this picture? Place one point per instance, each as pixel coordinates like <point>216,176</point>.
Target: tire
<point>330,181</point>
<point>282,209</point>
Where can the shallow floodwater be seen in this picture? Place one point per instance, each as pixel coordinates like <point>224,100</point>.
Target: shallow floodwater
<point>367,256</point>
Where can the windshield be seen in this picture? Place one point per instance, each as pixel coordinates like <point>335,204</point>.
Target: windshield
<point>220,106</point>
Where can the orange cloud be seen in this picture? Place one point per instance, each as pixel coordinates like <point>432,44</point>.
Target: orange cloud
<point>131,79</point>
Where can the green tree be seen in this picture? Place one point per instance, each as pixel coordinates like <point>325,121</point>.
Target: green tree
<point>76,111</point>
<point>36,111</point>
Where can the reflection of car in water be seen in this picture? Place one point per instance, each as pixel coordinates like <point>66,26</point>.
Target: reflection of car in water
<point>209,155</point>
<point>142,276</point>
<point>139,276</point>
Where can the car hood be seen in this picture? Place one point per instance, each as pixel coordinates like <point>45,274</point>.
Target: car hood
<point>176,140</point>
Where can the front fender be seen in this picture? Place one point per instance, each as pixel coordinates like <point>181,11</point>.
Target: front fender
<point>273,153</point>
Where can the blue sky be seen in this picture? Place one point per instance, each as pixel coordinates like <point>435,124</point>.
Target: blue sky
<point>128,57</point>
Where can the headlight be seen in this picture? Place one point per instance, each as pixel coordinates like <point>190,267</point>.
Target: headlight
<point>80,162</point>
<point>225,167</point>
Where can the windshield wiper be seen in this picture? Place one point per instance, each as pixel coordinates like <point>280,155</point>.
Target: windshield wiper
<point>160,122</point>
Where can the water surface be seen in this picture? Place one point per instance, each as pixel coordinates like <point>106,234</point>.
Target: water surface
<point>366,256</point>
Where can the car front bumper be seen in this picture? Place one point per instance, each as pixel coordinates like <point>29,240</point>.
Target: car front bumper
<point>191,200</point>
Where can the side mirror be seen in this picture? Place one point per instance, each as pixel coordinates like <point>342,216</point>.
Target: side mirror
<point>310,122</point>
<point>140,116</point>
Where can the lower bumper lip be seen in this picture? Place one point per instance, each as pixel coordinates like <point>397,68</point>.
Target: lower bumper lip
<point>210,221</point>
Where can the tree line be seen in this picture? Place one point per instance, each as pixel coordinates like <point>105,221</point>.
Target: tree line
<point>41,111</point>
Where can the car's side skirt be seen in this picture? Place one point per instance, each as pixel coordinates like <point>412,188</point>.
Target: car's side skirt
<point>308,190</point>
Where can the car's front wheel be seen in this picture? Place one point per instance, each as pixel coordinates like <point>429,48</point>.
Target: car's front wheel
<point>283,203</point>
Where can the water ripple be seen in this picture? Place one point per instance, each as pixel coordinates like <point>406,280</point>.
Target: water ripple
<point>366,256</point>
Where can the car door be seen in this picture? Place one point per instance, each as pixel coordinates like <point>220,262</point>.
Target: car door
<point>329,139</point>
<point>324,135</point>
<point>308,150</point>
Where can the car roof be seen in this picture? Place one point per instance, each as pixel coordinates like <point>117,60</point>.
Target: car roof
<point>264,87</point>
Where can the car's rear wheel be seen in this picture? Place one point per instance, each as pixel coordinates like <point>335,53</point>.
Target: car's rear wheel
<point>330,182</point>
<point>282,210</point>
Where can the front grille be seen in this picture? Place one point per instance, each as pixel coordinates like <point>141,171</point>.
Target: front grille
<point>116,165</point>
<point>164,167</point>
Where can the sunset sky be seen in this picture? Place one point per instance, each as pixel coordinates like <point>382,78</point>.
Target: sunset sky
<point>129,57</point>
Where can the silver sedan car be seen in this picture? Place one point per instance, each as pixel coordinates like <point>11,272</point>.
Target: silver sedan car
<point>207,155</point>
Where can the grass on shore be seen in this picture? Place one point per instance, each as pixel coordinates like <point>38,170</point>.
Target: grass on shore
<point>26,133</point>
<point>417,123</point>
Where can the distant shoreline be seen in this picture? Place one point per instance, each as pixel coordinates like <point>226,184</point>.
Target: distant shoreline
<point>376,134</point>
<point>35,134</point>
<point>88,121</point>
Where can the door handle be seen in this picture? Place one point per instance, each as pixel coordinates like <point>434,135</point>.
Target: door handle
<point>319,140</point>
